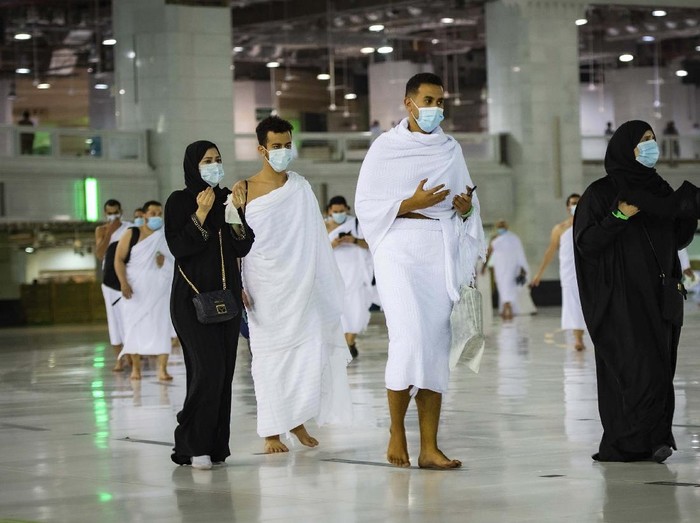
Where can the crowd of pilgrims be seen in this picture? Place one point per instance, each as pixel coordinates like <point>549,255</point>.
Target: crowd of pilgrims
<point>416,239</point>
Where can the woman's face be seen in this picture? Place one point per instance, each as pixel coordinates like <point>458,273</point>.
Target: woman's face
<point>649,135</point>
<point>211,156</point>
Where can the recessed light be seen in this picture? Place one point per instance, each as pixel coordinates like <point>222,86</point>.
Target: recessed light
<point>43,85</point>
<point>23,36</point>
<point>659,12</point>
<point>101,87</point>
<point>626,57</point>
<point>447,20</point>
<point>350,96</point>
<point>648,38</point>
<point>131,54</point>
<point>385,49</point>
<point>581,21</point>
<point>435,41</point>
<point>23,70</point>
<point>272,65</point>
<point>367,50</point>
<point>323,76</point>
<point>681,73</point>
<point>109,41</point>
<point>237,49</point>
<point>122,91</point>
<point>376,28</point>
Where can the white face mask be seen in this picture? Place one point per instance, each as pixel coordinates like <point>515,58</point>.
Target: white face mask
<point>279,158</point>
<point>113,217</point>
<point>428,117</point>
<point>572,210</point>
<point>212,173</point>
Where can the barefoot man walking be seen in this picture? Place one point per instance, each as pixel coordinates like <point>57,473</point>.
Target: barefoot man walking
<point>293,292</point>
<point>416,208</point>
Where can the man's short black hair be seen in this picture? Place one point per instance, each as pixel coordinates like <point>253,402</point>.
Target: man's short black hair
<point>149,203</point>
<point>273,124</point>
<point>112,203</point>
<point>419,79</point>
<point>572,195</point>
<point>337,200</point>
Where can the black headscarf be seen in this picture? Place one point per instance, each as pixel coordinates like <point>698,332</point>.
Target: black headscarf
<point>636,182</point>
<point>194,183</point>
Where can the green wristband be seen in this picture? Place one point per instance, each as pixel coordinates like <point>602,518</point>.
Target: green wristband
<point>467,214</point>
<point>617,213</point>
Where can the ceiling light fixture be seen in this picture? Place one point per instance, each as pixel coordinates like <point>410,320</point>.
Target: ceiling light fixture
<point>323,76</point>
<point>435,41</point>
<point>22,36</point>
<point>447,20</point>
<point>385,49</point>
<point>43,85</point>
<point>376,28</point>
<point>350,96</point>
<point>23,70</point>
<point>101,86</point>
<point>681,73</point>
<point>648,38</point>
<point>659,12</point>
<point>272,65</point>
<point>626,57</point>
<point>109,41</point>
<point>237,49</point>
<point>367,50</point>
<point>581,21</point>
<point>697,47</point>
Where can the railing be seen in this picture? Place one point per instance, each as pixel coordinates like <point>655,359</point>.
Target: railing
<point>53,142</point>
<point>673,149</point>
<point>352,147</point>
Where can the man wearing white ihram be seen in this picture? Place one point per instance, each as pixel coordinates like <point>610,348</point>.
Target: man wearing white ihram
<point>417,209</point>
<point>291,290</point>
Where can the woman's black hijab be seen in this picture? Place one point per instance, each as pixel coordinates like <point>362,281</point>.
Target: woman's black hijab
<point>194,183</point>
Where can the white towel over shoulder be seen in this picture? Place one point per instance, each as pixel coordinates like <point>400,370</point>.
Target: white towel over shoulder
<point>299,352</point>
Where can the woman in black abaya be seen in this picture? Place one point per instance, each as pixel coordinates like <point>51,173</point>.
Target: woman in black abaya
<point>618,218</point>
<point>194,217</point>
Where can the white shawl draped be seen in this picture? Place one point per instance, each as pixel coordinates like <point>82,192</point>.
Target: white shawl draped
<point>394,166</point>
<point>146,315</point>
<point>299,352</point>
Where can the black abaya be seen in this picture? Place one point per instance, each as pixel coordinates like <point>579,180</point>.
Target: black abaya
<point>620,290</point>
<point>209,350</point>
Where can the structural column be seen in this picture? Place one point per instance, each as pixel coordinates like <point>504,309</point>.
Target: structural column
<point>173,77</point>
<point>533,94</point>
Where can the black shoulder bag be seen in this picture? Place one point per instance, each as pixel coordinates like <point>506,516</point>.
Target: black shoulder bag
<point>214,306</point>
<point>672,292</point>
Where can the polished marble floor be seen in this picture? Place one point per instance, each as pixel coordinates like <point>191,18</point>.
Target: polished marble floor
<point>81,444</point>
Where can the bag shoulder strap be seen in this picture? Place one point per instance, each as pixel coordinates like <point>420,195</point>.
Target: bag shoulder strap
<point>135,234</point>
<point>661,269</point>
<point>223,269</point>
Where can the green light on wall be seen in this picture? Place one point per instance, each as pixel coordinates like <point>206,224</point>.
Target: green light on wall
<point>92,206</point>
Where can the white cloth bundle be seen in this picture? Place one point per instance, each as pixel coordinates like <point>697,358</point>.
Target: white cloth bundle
<point>231,213</point>
<point>467,329</point>
<point>394,166</point>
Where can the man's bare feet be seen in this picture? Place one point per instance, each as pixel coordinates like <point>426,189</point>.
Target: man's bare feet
<point>579,346</point>
<point>304,437</point>
<point>118,367</point>
<point>273,445</point>
<point>397,452</point>
<point>435,459</point>
<point>165,377</point>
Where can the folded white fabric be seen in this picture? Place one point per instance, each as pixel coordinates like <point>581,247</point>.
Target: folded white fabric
<point>231,213</point>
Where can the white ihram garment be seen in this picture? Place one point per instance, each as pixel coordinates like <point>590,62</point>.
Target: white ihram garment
<point>146,315</point>
<point>571,313</point>
<point>113,297</point>
<point>296,338</point>
<point>419,264</point>
<point>507,259</point>
<point>355,265</point>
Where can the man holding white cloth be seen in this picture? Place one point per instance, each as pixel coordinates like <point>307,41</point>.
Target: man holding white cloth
<point>415,205</point>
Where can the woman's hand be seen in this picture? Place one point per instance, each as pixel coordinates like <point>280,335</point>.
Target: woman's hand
<point>627,209</point>
<point>238,195</point>
<point>205,201</point>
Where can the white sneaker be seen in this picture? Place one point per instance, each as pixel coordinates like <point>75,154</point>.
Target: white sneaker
<point>201,462</point>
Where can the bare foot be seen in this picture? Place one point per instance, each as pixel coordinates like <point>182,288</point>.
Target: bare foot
<point>165,377</point>
<point>437,460</point>
<point>304,437</point>
<point>273,445</point>
<point>135,375</point>
<point>397,452</point>
<point>579,346</point>
<point>118,367</point>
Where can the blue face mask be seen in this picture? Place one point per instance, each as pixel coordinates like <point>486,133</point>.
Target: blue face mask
<point>212,173</point>
<point>279,159</point>
<point>139,221</point>
<point>648,153</point>
<point>501,230</point>
<point>428,117</point>
<point>154,222</point>
<point>339,217</point>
